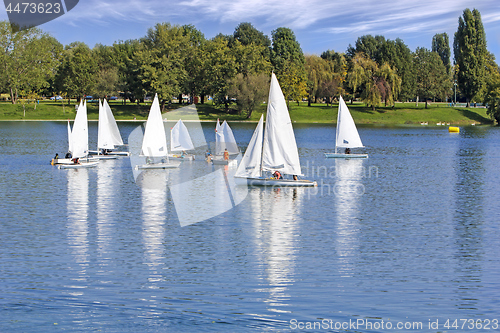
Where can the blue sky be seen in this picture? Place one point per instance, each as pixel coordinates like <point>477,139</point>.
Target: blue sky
<point>318,24</point>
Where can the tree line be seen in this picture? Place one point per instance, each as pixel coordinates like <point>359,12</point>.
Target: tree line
<point>234,69</point>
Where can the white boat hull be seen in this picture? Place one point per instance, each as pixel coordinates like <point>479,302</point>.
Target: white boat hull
<point>274,182</point>
<point>222,161</point>
<point>58,161</point>
<point>341,155</point>
<point>103,157</point>
<point>158,166</point>
<point>187,157</point>
<point>110,153</point>
<point>80,165</point>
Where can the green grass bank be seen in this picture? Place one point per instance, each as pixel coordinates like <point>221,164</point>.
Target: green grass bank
<point>402,113</point>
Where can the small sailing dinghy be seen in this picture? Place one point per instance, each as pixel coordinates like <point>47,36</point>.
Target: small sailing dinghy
<point>79,141</point>
<point>154,142</point>
<point>224,141</point>
<point>108,135</point>
<point>346,135</point>
<point>180,141</point>
<point>274,150</point>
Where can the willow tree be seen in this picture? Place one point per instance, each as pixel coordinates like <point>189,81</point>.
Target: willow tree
<point>373,82</point>
<point>469,48</point>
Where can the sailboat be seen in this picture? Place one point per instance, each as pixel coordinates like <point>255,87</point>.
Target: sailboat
<point>346,135</point>
<point>272,150</point>
<point>154,142</point>
<point>78,141</point>
<point>108,135</point>
<point>180,141</point>
<point>224,140</point>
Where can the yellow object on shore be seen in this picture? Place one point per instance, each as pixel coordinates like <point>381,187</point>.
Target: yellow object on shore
<point>453,129</point>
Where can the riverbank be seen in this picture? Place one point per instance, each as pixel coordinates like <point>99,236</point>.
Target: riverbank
<point>402,113</point>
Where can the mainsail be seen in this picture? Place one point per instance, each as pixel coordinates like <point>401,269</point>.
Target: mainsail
<point>179,138</point>
<point>154,143</point>
<point>347,134</point>
<point>280,151</point>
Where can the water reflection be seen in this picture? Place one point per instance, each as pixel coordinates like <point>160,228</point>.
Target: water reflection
<point>469,210</point>
<point>153,184</point>
<point>275,212</point>
<point>78,211</point>
<point>198,198</point>
<point>348,190</point>
<point>106,182</point>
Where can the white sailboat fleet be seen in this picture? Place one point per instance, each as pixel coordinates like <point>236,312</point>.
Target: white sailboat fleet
<point>154,143</point>
<point>180,141</point>
<point>224,141</point>
<point>347,135</point>
<point>78,141</point>
<point>272,150</point>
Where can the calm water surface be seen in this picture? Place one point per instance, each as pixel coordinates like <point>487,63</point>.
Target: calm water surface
<point>408,235</point>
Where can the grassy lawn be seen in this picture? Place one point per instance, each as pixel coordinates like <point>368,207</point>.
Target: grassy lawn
<point>402,113</point>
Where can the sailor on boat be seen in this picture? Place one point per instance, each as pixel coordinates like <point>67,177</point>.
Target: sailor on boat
<point>277,175</point>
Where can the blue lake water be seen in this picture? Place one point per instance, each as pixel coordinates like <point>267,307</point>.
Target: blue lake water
<point>409,235</point>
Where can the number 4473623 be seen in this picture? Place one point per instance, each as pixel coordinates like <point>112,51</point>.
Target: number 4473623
<point>471,324</point>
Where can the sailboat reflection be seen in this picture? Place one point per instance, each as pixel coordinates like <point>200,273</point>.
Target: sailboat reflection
<point>275,212</point>
<point>153,184</point>
<point>348,189</point>
<point>105,191</point>
<point>78,228</point>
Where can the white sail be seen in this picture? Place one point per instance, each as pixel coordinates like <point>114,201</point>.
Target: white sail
<point>70,146</point>
<point>80,133</point>
<point>347,135</point>
<point>225,140</point>
<point>250,163</point>
<point>108,134</point>
<point>280,148</point>
<point>219,150</point>
<point>154,143</point>
<point>179,138</point>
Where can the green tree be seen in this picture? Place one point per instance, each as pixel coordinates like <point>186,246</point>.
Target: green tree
<point>441,45</point>
<point>251,50</point>
<point>192,83</point>
<point>288,61</point>
<point>249,91</point>
<point>77,71</point>
<point>397,55</point>
<point>469,48</point>
<point>161,60</point>
<point>374,83</point>
<point>28,59</point>
<point>247,35</point>
<point>432,79</point>
<point>369,45</point>
<point>218,69</point>
<point>129,69</point>
<point>492,89</point>
<point>108,80</point>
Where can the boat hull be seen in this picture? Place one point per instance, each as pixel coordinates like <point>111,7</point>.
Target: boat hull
<point>81,165</point>
<point>59,161</point>
<point>222,161</point>
<point>158,166</point>
<point>102,157</point>
<point>340,155</point>
<point>188,157</point>
<point>111,153</point>
<point>274,182</point>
